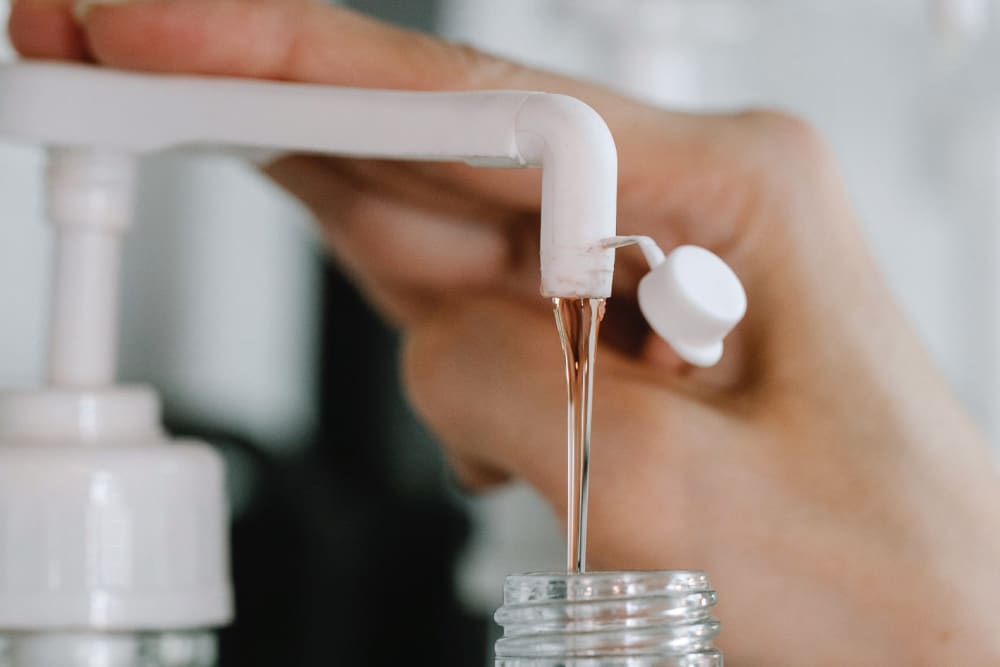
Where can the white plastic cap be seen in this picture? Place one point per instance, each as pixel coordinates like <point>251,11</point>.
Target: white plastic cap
<point>693,300</point>
<point>104,523</point>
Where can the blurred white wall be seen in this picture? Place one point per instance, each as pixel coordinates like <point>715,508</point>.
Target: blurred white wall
<point>905,91</point>
<point>23,259</point>
<point>219,304</point>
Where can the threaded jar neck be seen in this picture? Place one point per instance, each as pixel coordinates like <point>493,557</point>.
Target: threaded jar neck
<point>608,619</point>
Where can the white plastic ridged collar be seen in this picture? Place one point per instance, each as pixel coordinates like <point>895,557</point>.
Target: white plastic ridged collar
<point>104,523</point>
<point>62,416</point>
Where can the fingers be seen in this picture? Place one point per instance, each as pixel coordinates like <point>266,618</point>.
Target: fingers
<point>473,477</point>
<point>487,377</point>
<point>407,244</point>
<point>46,29</point>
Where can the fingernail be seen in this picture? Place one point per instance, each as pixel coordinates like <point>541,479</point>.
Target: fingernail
<point>82,7</point>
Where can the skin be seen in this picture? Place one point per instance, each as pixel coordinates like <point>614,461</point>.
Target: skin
<point>823,474</point>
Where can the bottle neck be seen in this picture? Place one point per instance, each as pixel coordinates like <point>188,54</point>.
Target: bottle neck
<point>608,619</point>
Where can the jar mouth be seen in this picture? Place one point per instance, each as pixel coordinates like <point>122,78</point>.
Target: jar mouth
<point>550,586</point>
<point>620,615</point>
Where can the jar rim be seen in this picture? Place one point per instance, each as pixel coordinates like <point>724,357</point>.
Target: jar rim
<point>618,618</point>
<point>549,586</point>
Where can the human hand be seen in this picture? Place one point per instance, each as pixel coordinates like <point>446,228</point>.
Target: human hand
<point>822,474</point>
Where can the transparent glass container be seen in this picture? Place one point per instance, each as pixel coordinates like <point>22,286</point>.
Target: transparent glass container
<point>111,649</point>
<point>608,619</point>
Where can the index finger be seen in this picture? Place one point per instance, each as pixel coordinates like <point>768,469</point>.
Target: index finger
<point>315,43</point>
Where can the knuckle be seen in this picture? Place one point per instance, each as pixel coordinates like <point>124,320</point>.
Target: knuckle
<point>472,476</point>
<point>795,138</point>
<point>474,69</point>
<point>428,368</point>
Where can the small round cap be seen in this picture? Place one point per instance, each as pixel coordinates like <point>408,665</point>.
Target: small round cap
<point>693,300</point>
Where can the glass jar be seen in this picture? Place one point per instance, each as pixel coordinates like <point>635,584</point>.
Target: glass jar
<point>112,649</point>
<point>608,619</point>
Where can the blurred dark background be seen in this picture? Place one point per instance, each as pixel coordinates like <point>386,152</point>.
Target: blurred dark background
<point>336,558</point>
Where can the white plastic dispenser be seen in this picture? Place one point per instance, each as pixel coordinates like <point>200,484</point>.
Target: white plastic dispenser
<point>112,537</point>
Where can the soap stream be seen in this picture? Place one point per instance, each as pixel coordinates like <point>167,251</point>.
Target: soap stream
<point>578,321</point>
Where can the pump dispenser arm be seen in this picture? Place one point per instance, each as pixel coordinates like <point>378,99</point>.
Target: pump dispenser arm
<point>81,106</point>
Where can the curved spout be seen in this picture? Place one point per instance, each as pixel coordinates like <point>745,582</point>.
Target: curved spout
<point>579,164</point>
<point>83,106</point>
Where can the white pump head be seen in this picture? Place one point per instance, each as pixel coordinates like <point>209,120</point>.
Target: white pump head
<point>690,298</point>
